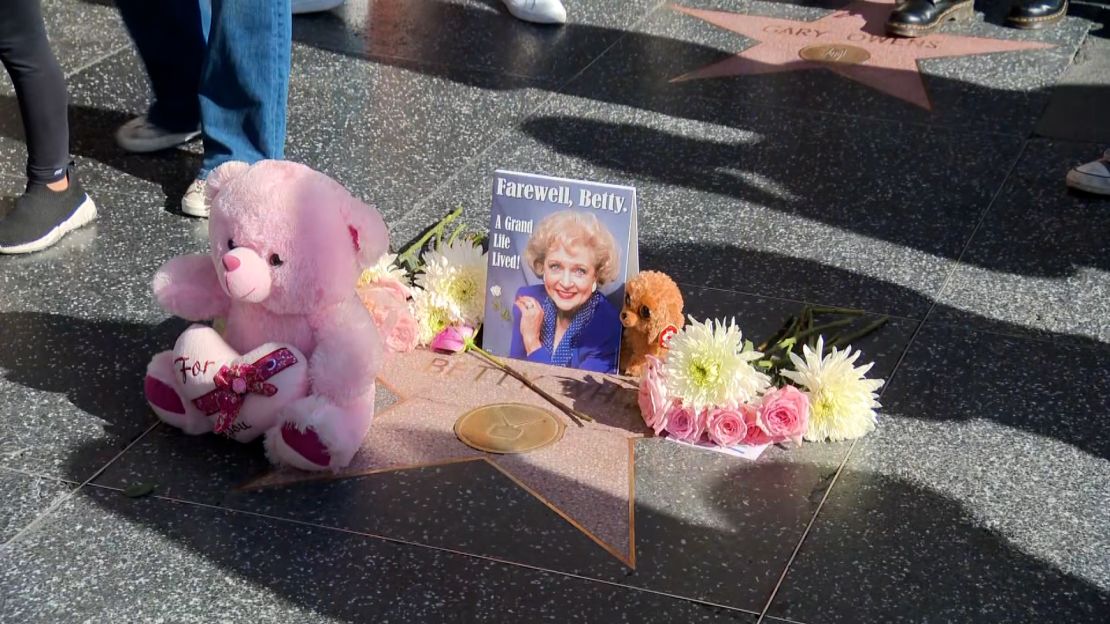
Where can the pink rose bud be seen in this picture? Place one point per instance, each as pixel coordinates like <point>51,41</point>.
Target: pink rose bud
<point>726,426</point>
<point>784,414</point>
<point>453,339</point>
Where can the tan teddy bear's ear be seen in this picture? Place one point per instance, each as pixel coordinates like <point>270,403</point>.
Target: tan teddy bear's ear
<point>222,175</point>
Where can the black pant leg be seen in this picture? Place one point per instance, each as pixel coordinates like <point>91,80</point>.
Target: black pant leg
<point>39,86</point>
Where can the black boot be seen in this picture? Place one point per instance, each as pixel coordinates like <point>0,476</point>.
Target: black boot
<point>917,18</point>
<point>1034,14</point>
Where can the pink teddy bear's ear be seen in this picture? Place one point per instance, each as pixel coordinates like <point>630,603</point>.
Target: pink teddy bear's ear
<point>222,175</point>
<point>368,231</point>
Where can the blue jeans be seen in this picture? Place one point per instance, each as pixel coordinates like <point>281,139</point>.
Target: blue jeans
<point>221,63</point>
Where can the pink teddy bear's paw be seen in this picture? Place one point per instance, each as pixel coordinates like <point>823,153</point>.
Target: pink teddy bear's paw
<point>315,434</point>
<point>188,287</point>
<point>166,402</point>
<point>306,445</point>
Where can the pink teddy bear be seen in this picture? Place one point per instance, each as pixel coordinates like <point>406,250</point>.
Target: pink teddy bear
<point>300,353</point>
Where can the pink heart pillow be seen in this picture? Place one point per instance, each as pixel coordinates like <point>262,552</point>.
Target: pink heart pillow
<point>240,394</point>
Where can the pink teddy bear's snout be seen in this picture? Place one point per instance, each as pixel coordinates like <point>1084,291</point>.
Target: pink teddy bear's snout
<point>245,275</point>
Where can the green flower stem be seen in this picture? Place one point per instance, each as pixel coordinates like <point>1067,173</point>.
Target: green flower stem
<point>849,339</point>
<point>813,331</point>
<point>576,416</point>
<point>809,332</point>
<point>779,335</point>
<point>436,230</point>
<point>831,310</point>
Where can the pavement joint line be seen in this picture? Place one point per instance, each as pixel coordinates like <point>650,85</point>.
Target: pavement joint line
<point>443,549</point>
<point>63,499</point>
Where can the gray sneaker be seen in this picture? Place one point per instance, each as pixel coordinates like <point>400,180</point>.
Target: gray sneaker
<point>1093,177</point>
<point>140,136</point>
<point>538,11</point>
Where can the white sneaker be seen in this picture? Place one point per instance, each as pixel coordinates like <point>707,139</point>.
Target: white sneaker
<point>538,11</point>
<point>139,135</point>
<point>1093,177</point>
<point>194,203</point>
<point>314,6</point>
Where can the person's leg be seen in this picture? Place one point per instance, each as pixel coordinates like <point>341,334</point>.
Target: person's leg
<point>54,202</point>
<point>243,90</point>
<point>40,89</point>
<point>245,82</point>
<point>169,36</point>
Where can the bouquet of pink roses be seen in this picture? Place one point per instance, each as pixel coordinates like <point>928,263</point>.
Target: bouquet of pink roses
<point>712,387</point>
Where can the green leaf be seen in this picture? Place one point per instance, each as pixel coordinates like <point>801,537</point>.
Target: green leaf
<point>139,490</point>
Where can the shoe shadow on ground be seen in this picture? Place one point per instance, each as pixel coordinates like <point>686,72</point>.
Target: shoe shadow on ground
<point>424,37</point>
<point>92,138</point>
<point>770,122</point>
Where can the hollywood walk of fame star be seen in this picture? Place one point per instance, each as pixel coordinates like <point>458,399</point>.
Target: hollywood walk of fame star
<point>586,477</point>
<point>850,42</point>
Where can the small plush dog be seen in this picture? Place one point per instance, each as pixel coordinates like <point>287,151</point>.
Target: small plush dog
<point>651,316</point>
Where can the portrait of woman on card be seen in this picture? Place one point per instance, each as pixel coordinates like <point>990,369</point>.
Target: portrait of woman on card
<point>566,320</point>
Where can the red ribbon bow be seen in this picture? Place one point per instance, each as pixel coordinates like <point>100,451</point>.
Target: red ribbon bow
<point>233,383</point>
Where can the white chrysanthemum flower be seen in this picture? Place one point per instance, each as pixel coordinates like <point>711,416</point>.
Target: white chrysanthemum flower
<point>455,273</point>
<point>842,401</point>
<point>385,267</point>
<point>708,366</point>
<point>432,316</point>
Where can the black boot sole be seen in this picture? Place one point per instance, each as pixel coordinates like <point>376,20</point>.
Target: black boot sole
<point>1037,23</point>
<point>963,11</point>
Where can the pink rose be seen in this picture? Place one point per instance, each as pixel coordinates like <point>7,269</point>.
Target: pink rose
<point>393,287</point>
<point>404,334</point>
<point>784,413</point>
<point>756,435</point>
<point>726,426</point>
<point>452,339</point>
<point>684,423</point>
<point>379,302</point>
<point>391,315</point>
<point>653,395</point>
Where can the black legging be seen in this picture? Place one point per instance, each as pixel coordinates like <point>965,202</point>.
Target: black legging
<point>39,86</point>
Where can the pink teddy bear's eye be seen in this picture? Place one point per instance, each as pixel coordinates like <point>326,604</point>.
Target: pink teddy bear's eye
<point>275,260</point>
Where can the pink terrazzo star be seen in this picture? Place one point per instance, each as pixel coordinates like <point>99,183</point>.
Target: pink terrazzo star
<point>586,477</point>
<point>892,63</point>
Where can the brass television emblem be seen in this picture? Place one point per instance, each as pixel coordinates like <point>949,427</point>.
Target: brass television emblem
<point>509,428</point>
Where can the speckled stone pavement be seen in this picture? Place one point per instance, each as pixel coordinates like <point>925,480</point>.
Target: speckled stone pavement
<point>982,496</point>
